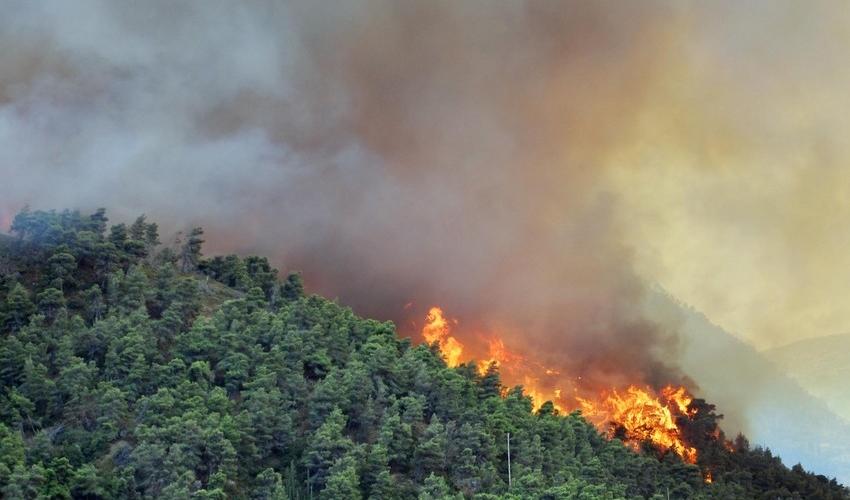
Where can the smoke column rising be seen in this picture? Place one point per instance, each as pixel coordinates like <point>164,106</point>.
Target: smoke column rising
<point>529,166</point>
<point>438,153</point>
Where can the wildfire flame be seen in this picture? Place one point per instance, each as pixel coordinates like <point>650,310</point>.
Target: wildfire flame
<point>637,416</point>
<point>437,329</point>
<point>634,415</point>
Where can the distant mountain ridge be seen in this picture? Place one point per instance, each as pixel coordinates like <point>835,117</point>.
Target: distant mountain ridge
<point>821,365</point>
<point>757,397</point>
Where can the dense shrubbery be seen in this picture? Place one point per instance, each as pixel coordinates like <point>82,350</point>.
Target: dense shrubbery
<point>126,373</point>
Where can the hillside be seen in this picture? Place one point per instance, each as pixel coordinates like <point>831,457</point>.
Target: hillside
<point>821,366</point>
<point>134,371</point>
<point>756,397</point>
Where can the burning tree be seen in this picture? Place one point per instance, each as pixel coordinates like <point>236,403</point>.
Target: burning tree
<point>635,416</point>
<point>648,420</point>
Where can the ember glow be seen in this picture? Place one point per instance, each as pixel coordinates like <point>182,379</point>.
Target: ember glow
<point>5,219</point>
<point>634,415</point>
<point>514,368</point>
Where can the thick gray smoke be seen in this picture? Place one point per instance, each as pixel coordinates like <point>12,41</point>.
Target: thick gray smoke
<point>514,162</point>
<point>439,153</point>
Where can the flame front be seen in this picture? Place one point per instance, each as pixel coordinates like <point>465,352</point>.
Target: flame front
<point>637,416</point>
<point>634,415</point>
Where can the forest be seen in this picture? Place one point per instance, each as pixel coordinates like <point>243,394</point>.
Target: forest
<point>135,370</point>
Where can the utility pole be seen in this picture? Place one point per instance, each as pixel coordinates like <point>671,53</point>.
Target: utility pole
<point>509,461</point>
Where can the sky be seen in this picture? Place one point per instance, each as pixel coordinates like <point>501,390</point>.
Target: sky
<point>532,167</point>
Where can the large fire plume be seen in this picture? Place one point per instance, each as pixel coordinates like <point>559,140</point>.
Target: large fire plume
<point>542,161</point>
<point>634,414</point>
<point>493,156</point>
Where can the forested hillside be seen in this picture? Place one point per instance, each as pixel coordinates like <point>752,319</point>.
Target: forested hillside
<point>129,370</point>
<point>755,395</point>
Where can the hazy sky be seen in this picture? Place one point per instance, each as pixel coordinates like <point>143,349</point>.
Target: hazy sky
<point>529,166</point>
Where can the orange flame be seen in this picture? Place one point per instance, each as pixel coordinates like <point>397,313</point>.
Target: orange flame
<point>518,369</point>
<point>437,329</point>
<point>679,396</point>
<point>635,416</point>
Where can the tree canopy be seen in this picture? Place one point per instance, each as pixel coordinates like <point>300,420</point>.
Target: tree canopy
<point>133,371</point>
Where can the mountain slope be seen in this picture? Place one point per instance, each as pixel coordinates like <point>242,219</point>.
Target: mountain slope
<point>756,397</point>
<point>127,373</point>
<point>821,366</point>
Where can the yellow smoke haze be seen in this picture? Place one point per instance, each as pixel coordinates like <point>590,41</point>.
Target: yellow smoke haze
<point>735,179</point>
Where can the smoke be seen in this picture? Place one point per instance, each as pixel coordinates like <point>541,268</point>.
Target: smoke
<point>528,166</point>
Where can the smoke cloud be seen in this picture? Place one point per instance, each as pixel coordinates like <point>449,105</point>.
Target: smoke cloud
<point>529,166</point>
